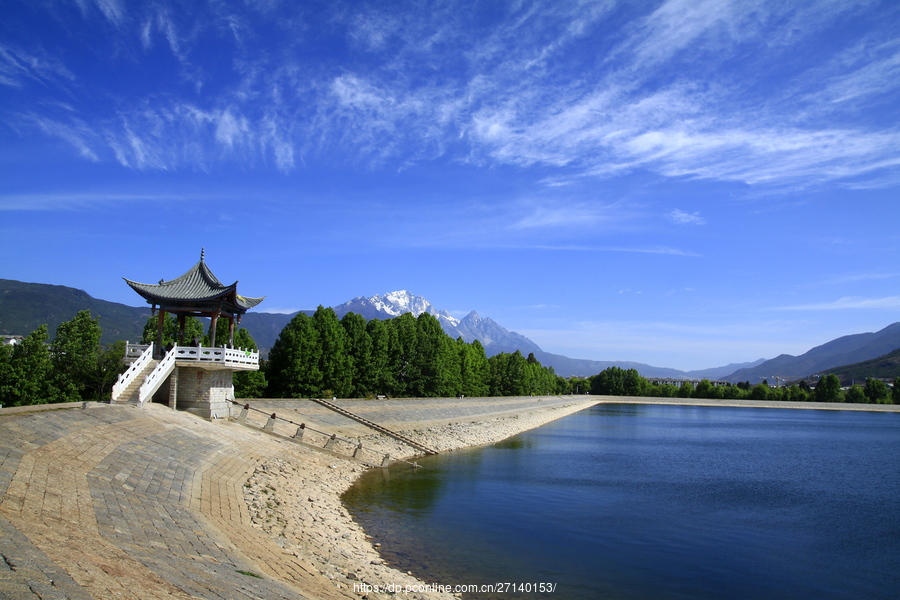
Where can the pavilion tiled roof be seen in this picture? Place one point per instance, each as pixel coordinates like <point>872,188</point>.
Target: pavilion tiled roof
<point>198,287</point>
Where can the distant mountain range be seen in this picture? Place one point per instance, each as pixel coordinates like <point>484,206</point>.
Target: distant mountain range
<point>497,339</point>
<point>25,306</point>
<point>883,367</point>
<point>845,350</point>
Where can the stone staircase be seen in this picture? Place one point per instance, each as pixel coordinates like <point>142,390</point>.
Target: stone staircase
<point>131,394</point>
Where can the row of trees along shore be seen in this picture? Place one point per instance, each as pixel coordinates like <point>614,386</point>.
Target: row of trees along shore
<point>407,356</point>
<point>323,356</point>
<point>621,382</point>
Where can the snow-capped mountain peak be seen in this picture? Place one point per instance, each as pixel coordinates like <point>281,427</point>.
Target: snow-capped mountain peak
<point>492,336</point>
<point>394,304</point>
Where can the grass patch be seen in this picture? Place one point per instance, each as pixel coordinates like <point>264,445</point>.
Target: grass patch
<point>249,574</point>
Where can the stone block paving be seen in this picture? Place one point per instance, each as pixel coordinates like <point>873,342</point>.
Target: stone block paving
<point>124,503</point>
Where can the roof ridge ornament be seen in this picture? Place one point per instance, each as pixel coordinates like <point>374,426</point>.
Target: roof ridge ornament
<point>202,253</point>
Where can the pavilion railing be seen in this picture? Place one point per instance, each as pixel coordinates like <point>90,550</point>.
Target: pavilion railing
<point>237,357</point>
<point>230,356</point>
<point>134,351</point>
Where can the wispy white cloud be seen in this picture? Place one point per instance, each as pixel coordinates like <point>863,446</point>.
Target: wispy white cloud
<point>663,250</point>
<point>77,134</point>
<point>849,302</point>
<point>111,9</point>
<point>58,201</point>
<point>18,66</point>
<point>681,217</point>
<point>579,215</point>
<point>863,71</point>
<point>857,277</point>
<point>540,84</point>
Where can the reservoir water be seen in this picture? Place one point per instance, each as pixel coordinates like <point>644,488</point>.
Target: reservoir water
<point>642,501</point>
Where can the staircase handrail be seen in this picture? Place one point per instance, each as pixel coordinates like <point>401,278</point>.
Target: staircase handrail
<point>157,376</point>
<point>131,373</point>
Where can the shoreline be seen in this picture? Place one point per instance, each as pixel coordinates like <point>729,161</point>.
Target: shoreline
<point>101,501</point>
<point>345,555</point>
<point>318,529</point>
<point>748,403</point>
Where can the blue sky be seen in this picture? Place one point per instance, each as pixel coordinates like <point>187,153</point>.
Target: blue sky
<point>686,183</point>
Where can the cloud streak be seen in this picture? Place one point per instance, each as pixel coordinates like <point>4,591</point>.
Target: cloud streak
<point>543,84</point>
<point>850,303</point>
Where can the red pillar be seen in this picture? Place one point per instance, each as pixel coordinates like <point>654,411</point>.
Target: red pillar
<point>160,322</point>
<point>212,328</point>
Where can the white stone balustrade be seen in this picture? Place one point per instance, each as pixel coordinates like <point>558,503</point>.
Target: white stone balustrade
<point>157,376</point>
<point>234,358</point>
<point>140,355</point>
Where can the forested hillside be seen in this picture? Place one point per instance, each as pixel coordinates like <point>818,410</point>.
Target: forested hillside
<point>883,367</point>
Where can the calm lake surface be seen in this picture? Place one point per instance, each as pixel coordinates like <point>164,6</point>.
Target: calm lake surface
<point>640,502</point>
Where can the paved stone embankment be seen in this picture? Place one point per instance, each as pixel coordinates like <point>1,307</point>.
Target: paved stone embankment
<point>125,503</point>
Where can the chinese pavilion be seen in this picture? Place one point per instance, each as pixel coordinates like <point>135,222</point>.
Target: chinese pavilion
<point>197,293</point>
<point>193,377</point>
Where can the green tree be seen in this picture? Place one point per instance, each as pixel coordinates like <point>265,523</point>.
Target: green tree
<point>705,389</point>
<point>829,389</point>
<point>334,362</point>
<point>193,329</point>
<point>474,369</point>
<point>247,384</point>
<point>578,385</point>
<point>609,382</point>
<point>293,366</point>
<point>384,343</point>
<point>431,370</point>
<point>855,395</point>
<point>75,354</point>
<point>507,374</point>
<point>634,384</point>
<point>404,359</point>
<point>799,394</point>
<point>27,375</point>
<point>359,351</point>
<point>895,391</point>
<point>760,391</point>
<point>877,391</point>
<point>686,390</point>
<point>110,363</point>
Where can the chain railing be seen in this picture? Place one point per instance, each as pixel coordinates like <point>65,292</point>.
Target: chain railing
<point>331,440</point>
